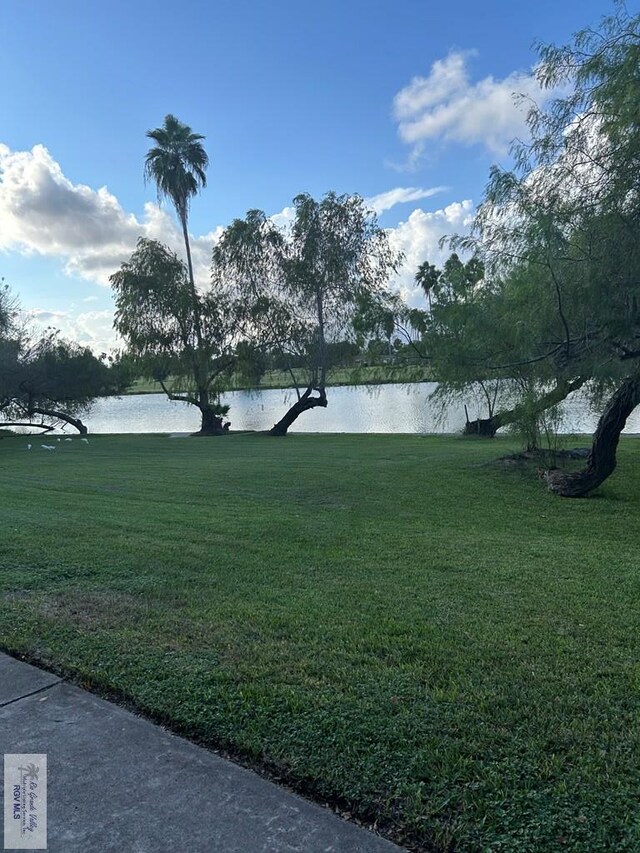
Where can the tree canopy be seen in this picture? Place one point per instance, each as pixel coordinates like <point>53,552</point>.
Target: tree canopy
<point>175,331</point>
<point>46,381</point>
<point>557,242</point>
<point>305,281</point>
<point>177,164</point>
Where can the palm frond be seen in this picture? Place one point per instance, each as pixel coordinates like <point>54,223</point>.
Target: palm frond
<point>177,163</point>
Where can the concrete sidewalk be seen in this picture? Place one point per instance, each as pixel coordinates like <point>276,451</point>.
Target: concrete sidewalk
<point>117,782</point>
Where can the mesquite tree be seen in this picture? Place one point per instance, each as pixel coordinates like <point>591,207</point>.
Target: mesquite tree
<point>305,281</point>
<point>182,338</point>
<point>568,216</point>
<point>56,382</point>
<point>46,381</point>
<point>478,337</point>
<point>482,337</point>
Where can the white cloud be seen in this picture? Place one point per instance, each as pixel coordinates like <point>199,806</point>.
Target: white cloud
<point>418,237</point>
<point>400,195</point>
<point>378,203</point>
<point>43,212</point>
<point>447,106</point>
<point>284,218</point>
<point>446,76</point>
<point>89,328</point>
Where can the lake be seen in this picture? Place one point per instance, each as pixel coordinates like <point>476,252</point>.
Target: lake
<point>379,408</point>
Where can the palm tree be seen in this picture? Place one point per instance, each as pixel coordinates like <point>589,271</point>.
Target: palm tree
<point>177,165</point>
<point>428,277</point>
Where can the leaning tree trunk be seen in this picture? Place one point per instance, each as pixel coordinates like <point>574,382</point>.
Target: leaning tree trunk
<point>60,416</point>
<point>602,459</point>
<point>305,402</point>
<point>488,427</point>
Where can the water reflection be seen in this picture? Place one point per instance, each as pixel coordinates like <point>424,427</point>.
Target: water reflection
<point>381,408</point>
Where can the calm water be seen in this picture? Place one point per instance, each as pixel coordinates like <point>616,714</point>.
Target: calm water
<point>381,408</point>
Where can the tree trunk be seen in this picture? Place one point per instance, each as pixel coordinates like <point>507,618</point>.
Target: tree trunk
<point>602,459</point>
<point>194,294</point>
<point>488,427</point>
<point>44,427</point>
<point>482,427</point>
<point>305,402</point>
<point>212,424</point>
<point>60,416</point>
<point>185,233</point>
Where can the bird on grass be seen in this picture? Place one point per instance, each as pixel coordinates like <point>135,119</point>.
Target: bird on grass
<point>28,447</point>
<point>48,446</point>
<point>86,440</point>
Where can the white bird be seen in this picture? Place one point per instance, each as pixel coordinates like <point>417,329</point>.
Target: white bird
<point>47,446</point>
<point>86,440</point>
<point>58,439</point>
<point>28,447</point>
<point>68,439</point>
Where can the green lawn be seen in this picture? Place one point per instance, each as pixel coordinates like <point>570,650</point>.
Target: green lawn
<point>394,624</point>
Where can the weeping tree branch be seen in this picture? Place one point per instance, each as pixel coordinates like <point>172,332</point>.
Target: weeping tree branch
<point>43,427</point>
<point>61,416</point>
<point>488,427</point>
<point>177,397</point>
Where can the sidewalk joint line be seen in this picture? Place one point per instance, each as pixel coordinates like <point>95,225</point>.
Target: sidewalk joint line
<point>33,693</point>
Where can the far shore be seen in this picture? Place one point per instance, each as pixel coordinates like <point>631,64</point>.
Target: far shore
<point>280,381</point>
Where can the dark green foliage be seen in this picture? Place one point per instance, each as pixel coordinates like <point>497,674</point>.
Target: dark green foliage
<point>59,373</point>
<point>177,164</point>
<point>556,241</point>
<point>171,329</point>
<point>46,380</point>
<point>305,283</point>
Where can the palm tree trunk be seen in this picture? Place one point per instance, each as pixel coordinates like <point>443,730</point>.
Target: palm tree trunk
<point>185,233</point>
<point>196,312</point>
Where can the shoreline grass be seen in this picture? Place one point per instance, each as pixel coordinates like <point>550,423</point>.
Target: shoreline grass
<point>281,380</point>
<point>395,624</point>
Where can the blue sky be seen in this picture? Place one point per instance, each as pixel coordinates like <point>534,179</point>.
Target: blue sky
<point>369,97</point>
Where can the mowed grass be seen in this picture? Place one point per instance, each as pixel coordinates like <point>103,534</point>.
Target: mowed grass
<point>393,624</point>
